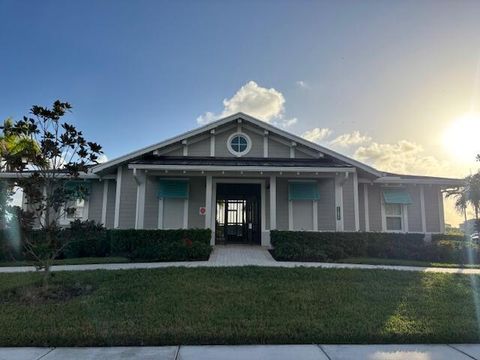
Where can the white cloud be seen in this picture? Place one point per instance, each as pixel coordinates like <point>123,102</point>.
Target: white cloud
<point>102,159</point>
<point>351,139</point>
<point>317,134</point>
<point>263,103</point>
<point>404,157</point>
<point>302,84</point>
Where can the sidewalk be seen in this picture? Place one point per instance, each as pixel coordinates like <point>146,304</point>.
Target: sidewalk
<point>238,255</point>
<point>252,352</point>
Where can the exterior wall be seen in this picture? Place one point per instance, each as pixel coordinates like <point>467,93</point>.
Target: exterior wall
<point>414,210</point>
<point>361,206</point>
<point>173,210</point>
<point>277,149</point>
<point>199,148</point>
<point>112,186</point>
<point>282,204</point>
<point>302,215</point>
<point>432,213</point>
<point>195,201</point>
<point>348,205</point>
<point>326,205</point>
<point>128,200</point>
<point>151,203</point>
<point>95,201</point>
<point>374,207</point>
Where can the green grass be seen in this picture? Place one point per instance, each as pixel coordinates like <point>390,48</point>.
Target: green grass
<point>247,305</point>
<point>73,261</point>
<point>377,261</point>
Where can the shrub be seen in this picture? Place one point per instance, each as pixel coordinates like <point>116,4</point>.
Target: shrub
<point>85,239</point>
<point>161,245</point>
<point>440,237</point>
<point>331,246</point>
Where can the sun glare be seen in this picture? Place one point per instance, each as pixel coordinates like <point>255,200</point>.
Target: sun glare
<point>461,138</point>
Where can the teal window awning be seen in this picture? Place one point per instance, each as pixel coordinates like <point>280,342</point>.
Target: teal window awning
<point>303,191</point>
<point>396,196</point>
<point>78,189</point>
<point>173,189</point>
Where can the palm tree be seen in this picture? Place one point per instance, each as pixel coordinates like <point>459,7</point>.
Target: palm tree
<point>14,147</point>
<point>461,201</point>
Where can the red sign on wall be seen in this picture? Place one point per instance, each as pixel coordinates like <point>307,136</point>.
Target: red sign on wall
<point>202,210</point>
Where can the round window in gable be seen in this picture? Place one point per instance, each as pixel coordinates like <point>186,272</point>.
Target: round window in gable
<point>239,144</point>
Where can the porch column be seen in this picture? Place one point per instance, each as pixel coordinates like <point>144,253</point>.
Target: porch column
<point>273,202</point>
<point>140,178</point>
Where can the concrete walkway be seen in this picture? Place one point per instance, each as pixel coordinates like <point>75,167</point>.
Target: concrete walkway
<point>239,255</point>
<point>252,352</point>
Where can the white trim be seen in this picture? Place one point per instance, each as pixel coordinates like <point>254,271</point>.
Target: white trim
<point>263,210</point>
<point>366,208</point>
<point>284,169</point>
<point>425,180</point>
<point>185,213</point>
<point>441,212</point>
<point>355,202</point>
<point>290,215</point>
<point>292,149</point>
<point>247,149</point>
<point>118,192</point>
<point>273,202</point>
<point>104,202</point>
<point>382,212</point>
<point>422,209</point>
<point>225,120</point>
<point>160,213</point>
<point>140,205</point>
<point>315,214</point>
<point>185,149</point>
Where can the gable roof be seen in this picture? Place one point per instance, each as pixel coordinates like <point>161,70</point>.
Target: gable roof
<point>249,119</point>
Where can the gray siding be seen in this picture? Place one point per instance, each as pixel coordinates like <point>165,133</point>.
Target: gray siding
<point>277,149</point>
<point>151,203</point>
<point>348,205</point>
<point>302,215</point>
<point>195,201</point>
<point>95,201</point>
<point>111,203</point>
<point>374,207</point>
<point>326,205</point>
<point>128,200</point>
<point>414,210</point>
<point>200,148</point>
<point>282,204</point>
<point>432,211</point>
<point>173,210</point>
<point>361,206</point>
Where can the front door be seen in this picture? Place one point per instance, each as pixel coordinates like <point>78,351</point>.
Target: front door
<point>238,214</point>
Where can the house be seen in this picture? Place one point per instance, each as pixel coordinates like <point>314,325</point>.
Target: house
<point>242,177</point>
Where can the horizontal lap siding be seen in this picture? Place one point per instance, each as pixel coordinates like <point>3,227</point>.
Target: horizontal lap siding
<point>200,148</point>
<point>151,203</point>
<point>128,200</point>
<point>326,205</point>
<point>277,149</point>
<point>95,201</point>
<point>282,204</point>
<point>111,204</point>
<point>374,207</point>
<point>348,205</point>
<point>414,210</point>
<point>195,201</point>
<point>432,211</point>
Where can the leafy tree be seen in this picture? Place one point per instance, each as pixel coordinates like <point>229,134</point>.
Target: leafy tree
<point>61,155</point>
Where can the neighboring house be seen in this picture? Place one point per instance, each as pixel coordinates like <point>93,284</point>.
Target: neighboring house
<point>242,177</point>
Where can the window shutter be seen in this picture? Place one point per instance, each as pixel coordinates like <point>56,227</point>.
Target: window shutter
<point>303,191</point>
<point>78,189</point>
<point>396,196</point>
<point>173,189</point>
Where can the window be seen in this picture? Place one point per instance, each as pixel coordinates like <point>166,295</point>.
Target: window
<point>239,144</point>
<point>394,217</point>
<point>80,206</point>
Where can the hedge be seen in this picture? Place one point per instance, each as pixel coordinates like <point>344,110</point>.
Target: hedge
<point>332,246</point>
<point>440,237</point>
<point>87,239</point>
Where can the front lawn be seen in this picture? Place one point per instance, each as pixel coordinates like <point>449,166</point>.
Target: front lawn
<point>72,261</point>
<point>377,261</point>
<point>247,305</point>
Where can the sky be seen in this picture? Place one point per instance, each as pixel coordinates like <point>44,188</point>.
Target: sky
<point>391,83</point>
